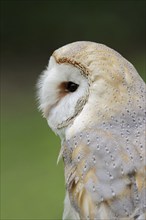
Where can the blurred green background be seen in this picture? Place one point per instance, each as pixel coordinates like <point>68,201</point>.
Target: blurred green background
<point>32,185</point>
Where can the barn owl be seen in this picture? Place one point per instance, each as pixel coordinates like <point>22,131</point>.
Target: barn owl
<point>93,98</point>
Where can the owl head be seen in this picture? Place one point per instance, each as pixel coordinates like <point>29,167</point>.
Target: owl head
<point>86,83</point>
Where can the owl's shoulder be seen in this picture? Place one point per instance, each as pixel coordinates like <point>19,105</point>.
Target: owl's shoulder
<point>102,162</point>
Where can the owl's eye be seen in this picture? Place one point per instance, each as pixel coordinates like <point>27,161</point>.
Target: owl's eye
<point>71,86</point>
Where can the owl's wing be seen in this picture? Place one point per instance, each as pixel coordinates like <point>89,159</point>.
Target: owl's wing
<point>105,170</point>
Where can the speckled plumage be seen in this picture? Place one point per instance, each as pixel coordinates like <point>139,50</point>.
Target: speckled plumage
<point>103,142</point>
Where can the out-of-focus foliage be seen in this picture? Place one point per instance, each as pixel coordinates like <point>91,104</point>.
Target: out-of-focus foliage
<point>32,185</point>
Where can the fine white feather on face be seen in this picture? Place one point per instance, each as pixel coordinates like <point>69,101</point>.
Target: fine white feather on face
<point>62,92</point>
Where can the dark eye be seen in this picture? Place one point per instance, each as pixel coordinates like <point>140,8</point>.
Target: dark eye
<point>71,86</point>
